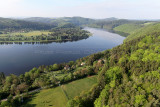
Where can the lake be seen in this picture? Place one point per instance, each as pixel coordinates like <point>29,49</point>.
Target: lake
<point>20,58</point>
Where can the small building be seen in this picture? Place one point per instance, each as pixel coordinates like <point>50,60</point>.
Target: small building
<point>67,67</point>
<point>83,63</point>
<point>102,61</point>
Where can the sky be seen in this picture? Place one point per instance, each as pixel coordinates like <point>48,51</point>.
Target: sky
<point>98,9</point>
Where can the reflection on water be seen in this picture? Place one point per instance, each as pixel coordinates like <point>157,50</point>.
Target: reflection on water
<point>18,58</point>
<point>43,42</point>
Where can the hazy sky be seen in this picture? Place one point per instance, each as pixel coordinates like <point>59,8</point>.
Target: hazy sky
<point>132,9</point>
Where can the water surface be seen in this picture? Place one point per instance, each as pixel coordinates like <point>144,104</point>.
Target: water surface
<point>17,59</point>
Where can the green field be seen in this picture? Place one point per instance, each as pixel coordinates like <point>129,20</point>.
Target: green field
<point>58,97</point>
<point>31,33</point>
<point>128,28</point>
<point>141,32</point>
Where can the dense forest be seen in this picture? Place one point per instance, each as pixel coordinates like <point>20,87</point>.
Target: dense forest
<point>10,25</point>
<point>128,75</point>
<point>61,21</point>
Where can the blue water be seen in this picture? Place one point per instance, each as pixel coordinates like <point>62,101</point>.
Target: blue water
<point>17,59</point>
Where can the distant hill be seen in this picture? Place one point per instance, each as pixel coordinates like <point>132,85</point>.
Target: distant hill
<point>40,19</point>
<point>109,19</point>
<point>6,23</point>
<point>61,21</point>
<point>123,27</point>
<point>109,24</point>
<point>151,29</point>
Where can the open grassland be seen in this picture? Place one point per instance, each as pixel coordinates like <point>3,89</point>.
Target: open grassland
<point>128,28</point>
<point>131,28</point>
<point>31,33</point>
<point>49,97</point>
<point>76,87</point>
<point>58,97</point>
<point>149,29</point>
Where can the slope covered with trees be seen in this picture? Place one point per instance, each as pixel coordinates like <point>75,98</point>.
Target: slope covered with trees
<point>130,75</point>
<point>121,26</point>
<point>148,30</point>
<point>9,25</point>
<point>61,21</point>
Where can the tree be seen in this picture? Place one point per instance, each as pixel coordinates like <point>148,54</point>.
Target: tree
<point>2,78</point>
<point>55,67</point>
<point>23,87</point>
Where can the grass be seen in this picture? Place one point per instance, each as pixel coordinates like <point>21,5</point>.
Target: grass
<point>76,87</point>
<point>49,97</point>
<point>58,97</point>
<point>128,28</point>
<point>148,23</point>
<point>31,33</point>
<point>155,27</point>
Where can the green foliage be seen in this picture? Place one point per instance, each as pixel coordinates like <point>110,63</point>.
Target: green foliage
<point>112,74</point>
<point>120,26</point>
<point>55,67</point>
<point>61,21</point>
<point>140,99</point>
<point>5,104</point>
<point>130,73</point>
<point>103,98</point>
<point>8,25</point>
<point>59,34</point>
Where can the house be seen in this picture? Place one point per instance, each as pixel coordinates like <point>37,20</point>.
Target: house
<point>83,63</point>
<point>67,67</point>
<point>102,61</point>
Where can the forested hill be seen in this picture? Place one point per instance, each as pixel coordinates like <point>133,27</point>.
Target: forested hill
<point>148,30</point>
<point>12,24</point>
<point>123,27</point>
<point>130,74</point>
<point>61,21</point>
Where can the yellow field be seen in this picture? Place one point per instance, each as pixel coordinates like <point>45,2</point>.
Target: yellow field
<point>31,33</point>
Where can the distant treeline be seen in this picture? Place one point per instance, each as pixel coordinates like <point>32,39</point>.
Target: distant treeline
<point>9,25</point>
<point>67,32</point>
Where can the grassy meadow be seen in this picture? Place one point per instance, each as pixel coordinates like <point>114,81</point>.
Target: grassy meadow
<point>131,28</point>
<point>58,97</point>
